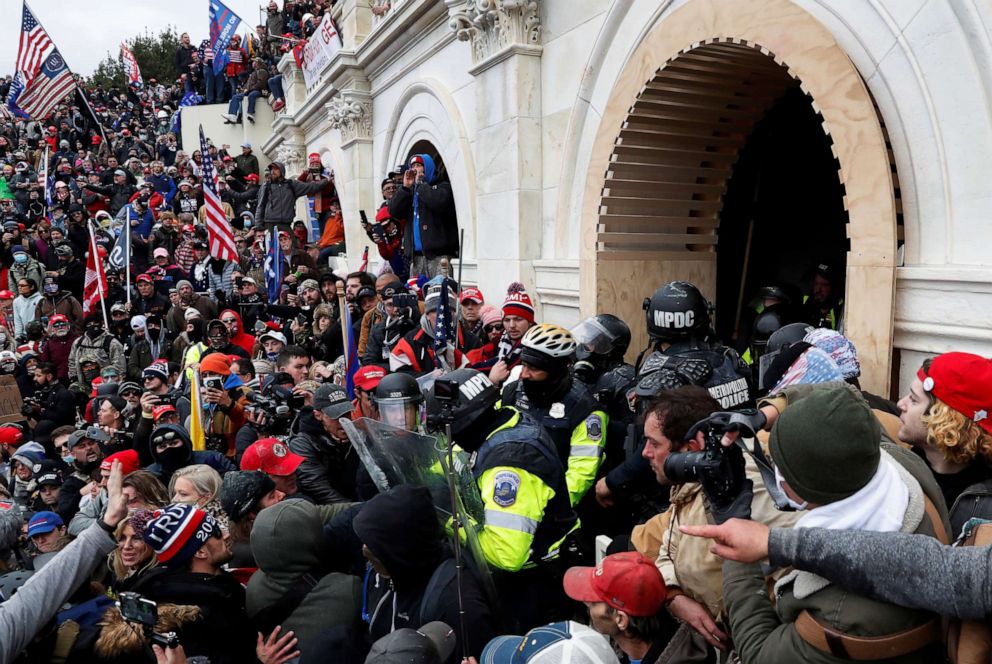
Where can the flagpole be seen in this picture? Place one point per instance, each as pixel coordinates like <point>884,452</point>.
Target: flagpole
<point>344,324</point>
<point>99,283</point>
<point>127,259</point>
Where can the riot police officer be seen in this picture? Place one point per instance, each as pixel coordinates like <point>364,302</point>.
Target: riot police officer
<point>565,407</point>
<point>678,324</point>
<point>601,342</point>
<point>399,402</point>
<point>522,484</point>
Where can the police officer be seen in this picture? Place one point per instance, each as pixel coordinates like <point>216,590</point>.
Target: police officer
<point>564,406</point>
<point>399,402</point>
<point>522,484</point>
<point>678,323</point>
<point>601,342</point>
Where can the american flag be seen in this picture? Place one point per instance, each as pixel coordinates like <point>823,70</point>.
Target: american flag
<point>95,284</point>
<point>42,78</point>
<point>218,227</point>
<point>444,328</point>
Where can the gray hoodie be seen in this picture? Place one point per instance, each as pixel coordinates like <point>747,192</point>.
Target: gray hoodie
<point>277,198</point>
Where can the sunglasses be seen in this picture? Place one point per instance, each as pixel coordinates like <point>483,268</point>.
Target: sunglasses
<point>131,393</point>
<point>167,440</point>
<point>493,328</point>
<point>228,320</point>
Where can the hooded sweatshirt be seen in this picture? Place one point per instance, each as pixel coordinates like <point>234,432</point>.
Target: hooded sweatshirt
<point>287,541</point>
<point>245,341</point>
<point>400,527</point>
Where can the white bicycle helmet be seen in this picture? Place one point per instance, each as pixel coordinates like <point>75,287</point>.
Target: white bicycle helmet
<point>545,346</point>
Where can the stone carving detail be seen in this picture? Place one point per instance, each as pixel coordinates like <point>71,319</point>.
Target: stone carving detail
<point>291,155</point>
<point>351,115</point>
<point>492,25</point>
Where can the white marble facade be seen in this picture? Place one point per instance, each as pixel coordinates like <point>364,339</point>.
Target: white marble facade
<point>511,93</point>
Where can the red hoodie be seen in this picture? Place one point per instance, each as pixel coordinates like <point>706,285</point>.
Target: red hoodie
<point>245,341</point>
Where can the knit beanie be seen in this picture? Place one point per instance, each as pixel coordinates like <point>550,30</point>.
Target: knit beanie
<point>157,369</point>
<point>433,299</point>
<point>216,363</point>
<point>490,314</point>
<point>517,302</point>
<point>827,445</point>
<point>176,532</point>
<point>241,491</point>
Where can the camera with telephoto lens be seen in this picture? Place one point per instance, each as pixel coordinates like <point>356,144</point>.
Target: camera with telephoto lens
<point>279,406</point>
<point>138,609</point>
<point>719,469</point>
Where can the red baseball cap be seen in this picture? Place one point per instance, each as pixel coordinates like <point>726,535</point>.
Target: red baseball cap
<point>11,435</point>
<point>628,582</point>
<point>964,382</point>
<point>473,294</point>
<point>270,456</point>
<point>367,378</point>
<point>128,458</point>
<point>159,411</point>
<point>143,277</point>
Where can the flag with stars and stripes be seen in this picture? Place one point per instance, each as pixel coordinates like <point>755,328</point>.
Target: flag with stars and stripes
<point>444,329</point>
<point>219,231</point>
<point>41,79</point>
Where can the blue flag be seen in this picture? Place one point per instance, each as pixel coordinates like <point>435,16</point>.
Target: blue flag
<point>275,267</point>
<point>224,24</point>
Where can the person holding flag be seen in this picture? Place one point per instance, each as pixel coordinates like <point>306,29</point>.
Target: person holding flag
<point>430,347</point>
<point>131,70</point>
<point>42,77</point>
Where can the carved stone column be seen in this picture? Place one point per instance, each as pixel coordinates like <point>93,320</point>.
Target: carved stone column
<point>350,112</point>
<point>505,41</point>
<point>292,156</point>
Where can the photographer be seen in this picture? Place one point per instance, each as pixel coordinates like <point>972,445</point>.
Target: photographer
<point>52,401</point>
<point>692,573</point>
<point>401,315</point>
<point>224,400</point>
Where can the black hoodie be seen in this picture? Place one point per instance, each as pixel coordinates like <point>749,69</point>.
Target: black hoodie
<point>400,527</point>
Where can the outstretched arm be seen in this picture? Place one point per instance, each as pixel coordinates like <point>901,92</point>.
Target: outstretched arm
<point>909,570</point>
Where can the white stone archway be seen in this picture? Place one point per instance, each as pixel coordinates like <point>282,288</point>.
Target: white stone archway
<point>426,111</point>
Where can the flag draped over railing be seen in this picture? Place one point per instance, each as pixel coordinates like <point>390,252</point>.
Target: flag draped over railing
<point>219,231</point>
<point>41,77</point>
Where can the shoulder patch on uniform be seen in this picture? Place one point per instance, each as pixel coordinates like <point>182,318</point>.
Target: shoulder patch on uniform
<point>505,488</point>
<point>594,428</point>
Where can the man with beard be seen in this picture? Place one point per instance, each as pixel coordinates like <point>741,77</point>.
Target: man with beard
<point>58,346</point>
<point>250,304</point>
<point>192,550</point>
<point>70,273</point>
<point>190,299</point>
<point>98,344</point>
<point>328,472</point>
<point>52,401</point>
<point>57,301</point>
<point>83,471</point>
<point>149,301</point>
<point>219,341</point>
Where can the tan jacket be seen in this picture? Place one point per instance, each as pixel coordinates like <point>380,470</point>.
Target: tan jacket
<point>686,562</point>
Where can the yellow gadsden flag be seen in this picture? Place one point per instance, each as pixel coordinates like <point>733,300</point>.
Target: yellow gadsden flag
<point>196,432</point>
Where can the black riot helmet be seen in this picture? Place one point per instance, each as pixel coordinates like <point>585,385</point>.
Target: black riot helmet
<point>677,312</point>
<point>602,337</point>
<point>398,399</point>
<point>780,351</point>
<point>765,325</point>
<point>465,395</point>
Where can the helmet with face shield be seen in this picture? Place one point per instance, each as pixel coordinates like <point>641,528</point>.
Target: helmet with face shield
<point>400,402</point>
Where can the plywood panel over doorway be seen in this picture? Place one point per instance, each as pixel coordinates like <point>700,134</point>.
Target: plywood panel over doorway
<point>680,113</point>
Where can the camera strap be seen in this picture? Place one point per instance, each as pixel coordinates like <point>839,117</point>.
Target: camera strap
<point>767,471</point>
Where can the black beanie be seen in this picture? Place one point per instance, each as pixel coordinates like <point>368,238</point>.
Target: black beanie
<point>241,491</point>
<point>826,446</point>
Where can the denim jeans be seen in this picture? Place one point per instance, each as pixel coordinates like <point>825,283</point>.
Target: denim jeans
<point>235,106</point>
<point>275,87</point>
<point>213,94</point>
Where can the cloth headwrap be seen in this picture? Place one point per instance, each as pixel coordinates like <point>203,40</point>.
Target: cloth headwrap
<point>838,347</point>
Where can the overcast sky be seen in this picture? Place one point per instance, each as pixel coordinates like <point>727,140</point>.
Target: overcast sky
<point>85,30</point>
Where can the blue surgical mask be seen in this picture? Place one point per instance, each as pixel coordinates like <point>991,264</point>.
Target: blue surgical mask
<point>68,459</point>
<point>20,258</point>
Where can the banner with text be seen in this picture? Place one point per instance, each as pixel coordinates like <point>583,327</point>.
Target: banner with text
<point>322,46</point>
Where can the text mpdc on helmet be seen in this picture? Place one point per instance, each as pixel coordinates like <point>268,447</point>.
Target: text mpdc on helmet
<point>467,392</point>
<point>676,312</point>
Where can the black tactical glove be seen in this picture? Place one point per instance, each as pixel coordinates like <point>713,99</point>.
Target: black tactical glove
<point>747,422</point>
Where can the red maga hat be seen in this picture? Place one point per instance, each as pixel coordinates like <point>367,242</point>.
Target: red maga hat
<point>964,382</point>
<point>628,582</point>
<point>271,457</point>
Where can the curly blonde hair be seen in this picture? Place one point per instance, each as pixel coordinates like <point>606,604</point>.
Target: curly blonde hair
<point>957,437</point>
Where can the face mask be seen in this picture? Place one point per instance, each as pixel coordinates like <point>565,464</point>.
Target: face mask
<point>93,331</point>
<point>68,459</point>
<point>173,457</point>
<point>90,374</point>
<point>793,504</point>
<point>20,258</point>
<point>51,289</point>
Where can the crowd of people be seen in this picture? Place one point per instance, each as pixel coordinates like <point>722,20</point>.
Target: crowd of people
<point>318,464</point>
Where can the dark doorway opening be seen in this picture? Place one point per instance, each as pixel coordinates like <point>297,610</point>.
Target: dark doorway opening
<point>426,147</point>
<point>785,192</point>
